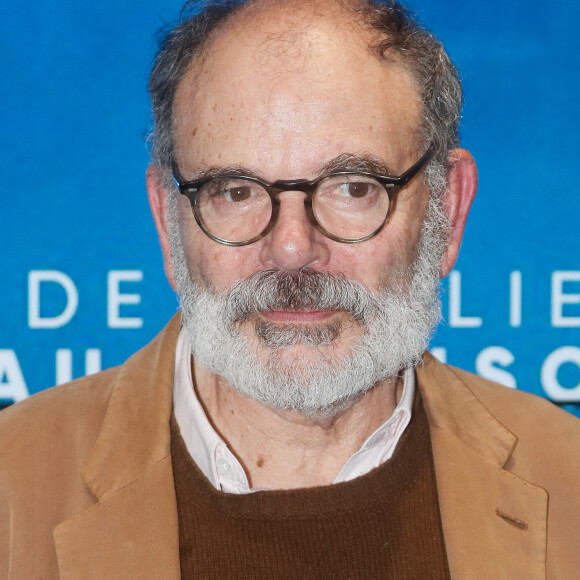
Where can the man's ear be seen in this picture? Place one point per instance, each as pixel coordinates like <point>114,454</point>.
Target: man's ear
<point>461,188</point>
<point>157,194</point>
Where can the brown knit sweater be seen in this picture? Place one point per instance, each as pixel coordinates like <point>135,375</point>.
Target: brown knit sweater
<point>385,524</point>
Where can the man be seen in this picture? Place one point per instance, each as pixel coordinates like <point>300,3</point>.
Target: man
<point>309,194</point>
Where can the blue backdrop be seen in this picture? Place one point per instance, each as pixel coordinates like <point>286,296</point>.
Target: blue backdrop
<point>82,283</point>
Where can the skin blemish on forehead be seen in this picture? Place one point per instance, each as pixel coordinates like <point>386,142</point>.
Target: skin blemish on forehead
<point>260,462</point>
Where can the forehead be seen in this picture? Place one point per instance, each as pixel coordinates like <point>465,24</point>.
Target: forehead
<point>285,88</point>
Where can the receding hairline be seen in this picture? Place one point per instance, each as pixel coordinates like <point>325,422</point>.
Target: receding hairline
<point>246,14</point>
<point>393,32</point>
<point>304,15</point>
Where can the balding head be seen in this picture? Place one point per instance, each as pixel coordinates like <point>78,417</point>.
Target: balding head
<point>291,87</point>
<point>385,28</point>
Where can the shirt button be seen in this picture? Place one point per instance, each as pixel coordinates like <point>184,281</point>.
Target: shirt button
<point>223,466</point>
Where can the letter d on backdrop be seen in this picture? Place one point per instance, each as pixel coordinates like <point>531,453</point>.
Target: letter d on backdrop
<point>35,278</point>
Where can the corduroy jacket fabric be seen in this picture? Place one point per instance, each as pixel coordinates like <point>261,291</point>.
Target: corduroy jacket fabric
<point>87,492</point>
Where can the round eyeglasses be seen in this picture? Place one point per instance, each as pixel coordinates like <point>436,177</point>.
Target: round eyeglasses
<point>345,206</point>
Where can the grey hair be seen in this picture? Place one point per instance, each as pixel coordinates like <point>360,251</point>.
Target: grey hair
<point>398,33</point>
<point>436,79</point>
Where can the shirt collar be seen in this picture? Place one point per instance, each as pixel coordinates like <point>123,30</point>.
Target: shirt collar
<point>222,468</point>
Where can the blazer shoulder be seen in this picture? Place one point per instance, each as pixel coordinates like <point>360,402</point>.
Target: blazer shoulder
<point>57,420</point>
<point>548,438</point>
<point>522,411</point>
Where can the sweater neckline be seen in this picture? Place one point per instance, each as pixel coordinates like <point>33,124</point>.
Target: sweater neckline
<point>383,484</point>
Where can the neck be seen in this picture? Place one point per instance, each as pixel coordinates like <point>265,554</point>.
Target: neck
<point>286,449</point>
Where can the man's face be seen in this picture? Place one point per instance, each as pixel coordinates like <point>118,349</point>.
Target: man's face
<point>283,95</point>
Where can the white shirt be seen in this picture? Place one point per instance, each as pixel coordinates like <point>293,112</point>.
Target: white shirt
<point>211,454</point>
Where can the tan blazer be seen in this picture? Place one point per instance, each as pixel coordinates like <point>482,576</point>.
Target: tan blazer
<point>86,484</point>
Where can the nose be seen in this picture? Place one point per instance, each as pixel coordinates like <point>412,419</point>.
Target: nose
<point>294,242</point>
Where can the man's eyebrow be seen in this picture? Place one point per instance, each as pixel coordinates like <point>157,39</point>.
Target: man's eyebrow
<point>212,172</point>
<point>362,163</point>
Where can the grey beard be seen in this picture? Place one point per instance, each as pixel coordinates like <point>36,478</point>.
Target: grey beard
<point>395,327</point>
<point>307,289</point>
<point>273,336</point>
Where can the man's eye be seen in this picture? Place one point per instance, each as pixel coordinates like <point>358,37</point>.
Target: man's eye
<point>229,191</point>
<point>237,194</point>
<point>355,189</point>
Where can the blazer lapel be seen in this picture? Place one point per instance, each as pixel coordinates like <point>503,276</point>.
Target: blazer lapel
<point>132,530</point>
<point>132,533</point>
<point>494,522</point>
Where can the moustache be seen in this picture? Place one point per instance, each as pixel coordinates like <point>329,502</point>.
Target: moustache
<point>307,289</point>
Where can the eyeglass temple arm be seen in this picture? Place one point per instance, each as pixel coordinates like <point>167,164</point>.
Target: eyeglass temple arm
<point>414,170</point>
<point>175,173</point>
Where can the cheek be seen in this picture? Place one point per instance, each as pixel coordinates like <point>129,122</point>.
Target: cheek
<point>392,250</point>
<point>212,265</point>
<point>218,267</point>
<point>372,262</point>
